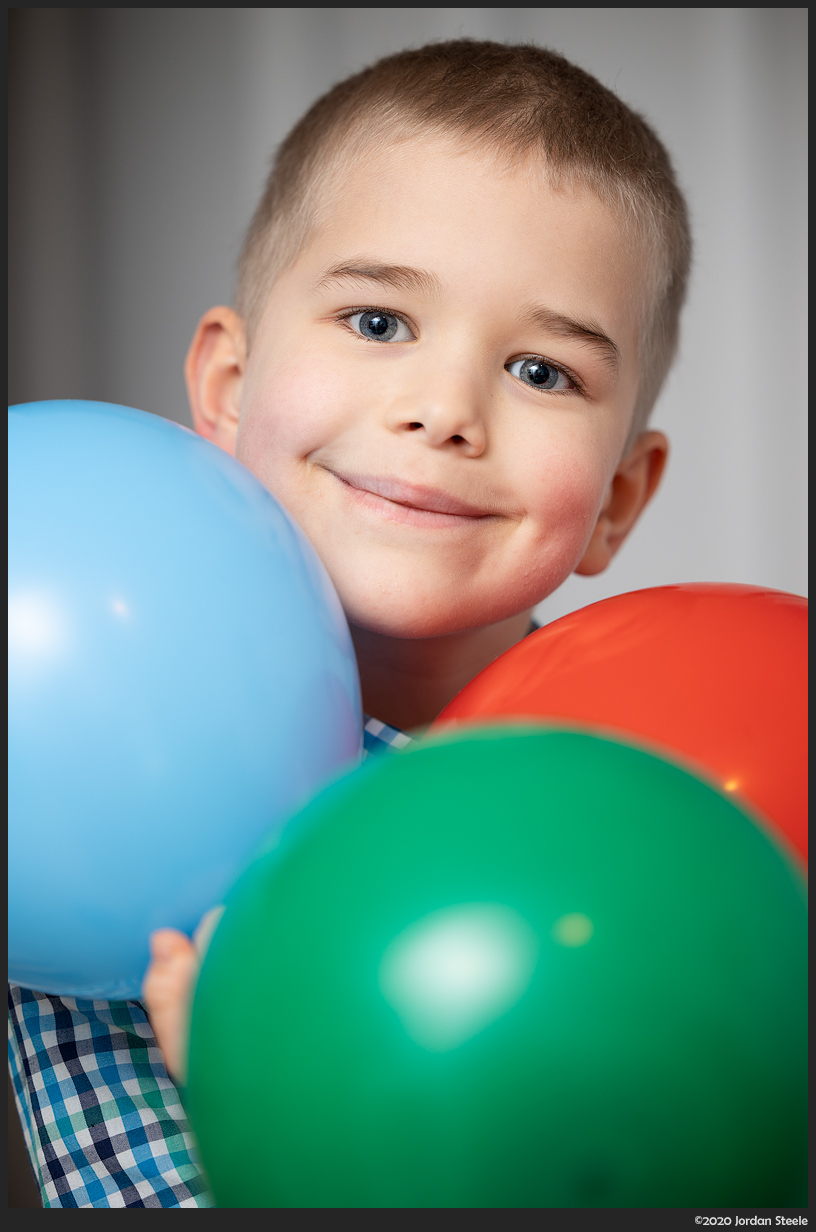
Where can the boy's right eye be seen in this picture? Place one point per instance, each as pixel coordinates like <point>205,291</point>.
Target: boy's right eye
<point>380,326</point>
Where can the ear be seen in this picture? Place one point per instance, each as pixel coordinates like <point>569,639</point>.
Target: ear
<point>633,484</point>
<point>214,372</point>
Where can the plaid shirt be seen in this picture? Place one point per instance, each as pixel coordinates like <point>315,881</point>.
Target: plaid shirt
<point>103,1122</point>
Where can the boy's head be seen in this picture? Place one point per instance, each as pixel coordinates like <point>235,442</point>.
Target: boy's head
<point>457,302</point>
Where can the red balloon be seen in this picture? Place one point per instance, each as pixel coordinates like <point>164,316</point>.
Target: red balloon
<point>714,673</point>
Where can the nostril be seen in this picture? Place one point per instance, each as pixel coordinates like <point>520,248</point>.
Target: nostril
<point>459,440</point>
<point>412,427</point>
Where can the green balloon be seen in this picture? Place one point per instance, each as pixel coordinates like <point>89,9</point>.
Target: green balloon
<point>516,968</point>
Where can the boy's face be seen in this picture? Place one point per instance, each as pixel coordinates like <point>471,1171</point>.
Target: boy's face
<point>445,482</point>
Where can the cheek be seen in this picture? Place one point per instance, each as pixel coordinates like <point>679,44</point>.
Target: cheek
<point>287,411</point>
<point>563,503</point>
<point>565,493</point>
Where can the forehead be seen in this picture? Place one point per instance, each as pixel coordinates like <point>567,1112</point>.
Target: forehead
<point>482,228</point>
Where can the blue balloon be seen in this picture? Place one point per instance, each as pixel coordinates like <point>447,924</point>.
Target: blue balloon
<point>181,679</point>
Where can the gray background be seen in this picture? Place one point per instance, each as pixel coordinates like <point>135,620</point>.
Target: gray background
<point>140,139</point>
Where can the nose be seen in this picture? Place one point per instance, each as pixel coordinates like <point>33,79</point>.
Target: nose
<point>449,413</point>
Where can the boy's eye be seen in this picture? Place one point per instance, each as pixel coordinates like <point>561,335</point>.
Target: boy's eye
<point>380,326</point>
<point>540,374</point>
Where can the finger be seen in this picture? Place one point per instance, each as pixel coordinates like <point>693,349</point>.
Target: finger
<point>166,992</point>
<point>168,945</point>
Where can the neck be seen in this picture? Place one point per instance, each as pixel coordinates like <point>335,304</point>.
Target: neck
<point>407,681</point>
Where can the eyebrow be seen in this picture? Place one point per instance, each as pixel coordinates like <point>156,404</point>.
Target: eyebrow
<point>587,332</point>
<point>398,277</point>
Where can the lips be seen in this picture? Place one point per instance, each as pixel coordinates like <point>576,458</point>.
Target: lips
<point>412,496</point>
<point>410,504</point>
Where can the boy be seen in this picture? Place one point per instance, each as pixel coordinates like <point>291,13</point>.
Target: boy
<point>457,302</point>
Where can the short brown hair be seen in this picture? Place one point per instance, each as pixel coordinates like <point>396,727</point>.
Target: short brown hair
<point>514,100</point>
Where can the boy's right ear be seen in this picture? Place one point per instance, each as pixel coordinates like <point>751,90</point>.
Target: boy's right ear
<point>214,372</point>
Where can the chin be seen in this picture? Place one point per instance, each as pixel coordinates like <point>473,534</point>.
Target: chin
<point>438,617</point>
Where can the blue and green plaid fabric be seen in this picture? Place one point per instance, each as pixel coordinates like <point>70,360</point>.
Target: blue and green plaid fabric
<point>379,738</point>
<point>103,1121</point>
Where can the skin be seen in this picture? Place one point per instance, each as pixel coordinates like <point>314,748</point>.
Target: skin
<point>446,496</point>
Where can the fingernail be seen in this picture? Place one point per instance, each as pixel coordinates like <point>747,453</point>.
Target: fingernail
<point>162,946</point>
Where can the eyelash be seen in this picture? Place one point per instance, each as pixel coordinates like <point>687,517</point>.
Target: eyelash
<point>578,384</point>
<point>348,313</point>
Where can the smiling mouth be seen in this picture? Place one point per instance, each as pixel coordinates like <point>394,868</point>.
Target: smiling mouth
<point>415,504</point>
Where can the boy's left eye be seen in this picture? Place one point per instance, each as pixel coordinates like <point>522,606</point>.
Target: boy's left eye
<point>380,326</point>
<point>540,374</point>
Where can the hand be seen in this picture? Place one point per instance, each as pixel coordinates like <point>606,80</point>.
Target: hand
<point>166,992</point>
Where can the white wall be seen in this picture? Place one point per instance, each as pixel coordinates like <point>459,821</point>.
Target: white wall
<point>182,108</point>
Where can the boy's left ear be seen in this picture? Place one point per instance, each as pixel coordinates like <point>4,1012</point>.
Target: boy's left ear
<point>633,484</point>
